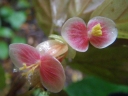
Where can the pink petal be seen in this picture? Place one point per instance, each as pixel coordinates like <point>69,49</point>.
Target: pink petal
<point>52,73</point>
<point>109,32</point>
<point>75,34</point>
<point>23,53</point>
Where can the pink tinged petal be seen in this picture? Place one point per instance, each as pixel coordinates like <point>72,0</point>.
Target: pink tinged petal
<point>52,73</point>
<point>109,32</point>
<point>23,53</point>
<point>52,47</point>
<point>75,34</point>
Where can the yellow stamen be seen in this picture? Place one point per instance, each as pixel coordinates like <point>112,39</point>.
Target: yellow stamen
<point>24,67</point>
<point>96,30</point>
<point>31,68</point>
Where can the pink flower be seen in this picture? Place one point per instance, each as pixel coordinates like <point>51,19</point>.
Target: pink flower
<point>28,59</point>
<point>100,31</point>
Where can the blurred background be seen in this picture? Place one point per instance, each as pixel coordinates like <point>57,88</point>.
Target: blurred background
<point>93,73</point>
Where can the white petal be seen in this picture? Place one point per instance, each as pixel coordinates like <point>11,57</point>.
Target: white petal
<point>75,34</point>
<point>23,53</point>
<point>109,32</point>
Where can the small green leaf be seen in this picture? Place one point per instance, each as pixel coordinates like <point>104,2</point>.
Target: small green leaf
<point>92,86</point>
<point>2,78</point>
<point>61,93</point>
<point>23,4</point>
<point>123,30</point>
<point>18,39</point>
<point>39,92</point>
<point>71,53</point>
<point>6,11</point>
<point>17,19</point>
<point>0,22</point>
<point>57,37</point>
<point>6,32</point>
<point>3,50</point>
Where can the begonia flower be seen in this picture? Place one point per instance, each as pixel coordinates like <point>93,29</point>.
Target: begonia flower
<point>100,32</point>
<point>28,59</point>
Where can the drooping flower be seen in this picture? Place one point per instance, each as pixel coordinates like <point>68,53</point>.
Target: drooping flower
<point>28,59</point>
<point>100,31</point>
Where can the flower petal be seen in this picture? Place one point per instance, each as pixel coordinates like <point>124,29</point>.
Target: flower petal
<point>23,53</point>
<point>109,32</point>
<point>52,73</point>
<point>75,34</point>
<point>52,47</point>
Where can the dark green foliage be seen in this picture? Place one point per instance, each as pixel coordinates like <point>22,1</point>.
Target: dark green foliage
<point>92,86</point>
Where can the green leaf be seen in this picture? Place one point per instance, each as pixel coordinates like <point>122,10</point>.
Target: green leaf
<point>6,32</point>
<point>23,4</point>
<point>92,86</point>
<point>2,78</point>
<point>39,92</point>
<point>6,11</point>
<point>18,39</point>
<point>17,19</point>
<point>61,93</point>
<point>3,50</point>
<point>0,22</point>
<point>71,53</point>
<point>111,9</point>
<point>110,63</point>
<point>43,15</point>
<point>57,37</point>
<point>123,30</point>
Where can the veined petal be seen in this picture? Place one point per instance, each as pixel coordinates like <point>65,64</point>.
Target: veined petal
<point>23,53</point>
<point>109,32</point>
<point>52,47</point>
<point>52,73</point>
<point>75,34</point>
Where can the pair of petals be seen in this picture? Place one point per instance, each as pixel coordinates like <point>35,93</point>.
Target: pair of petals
<point>77,34</point>
<point>51,71</point>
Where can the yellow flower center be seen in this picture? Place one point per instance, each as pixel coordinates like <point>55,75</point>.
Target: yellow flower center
<point>31,68</point>
<point>96,30</point>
